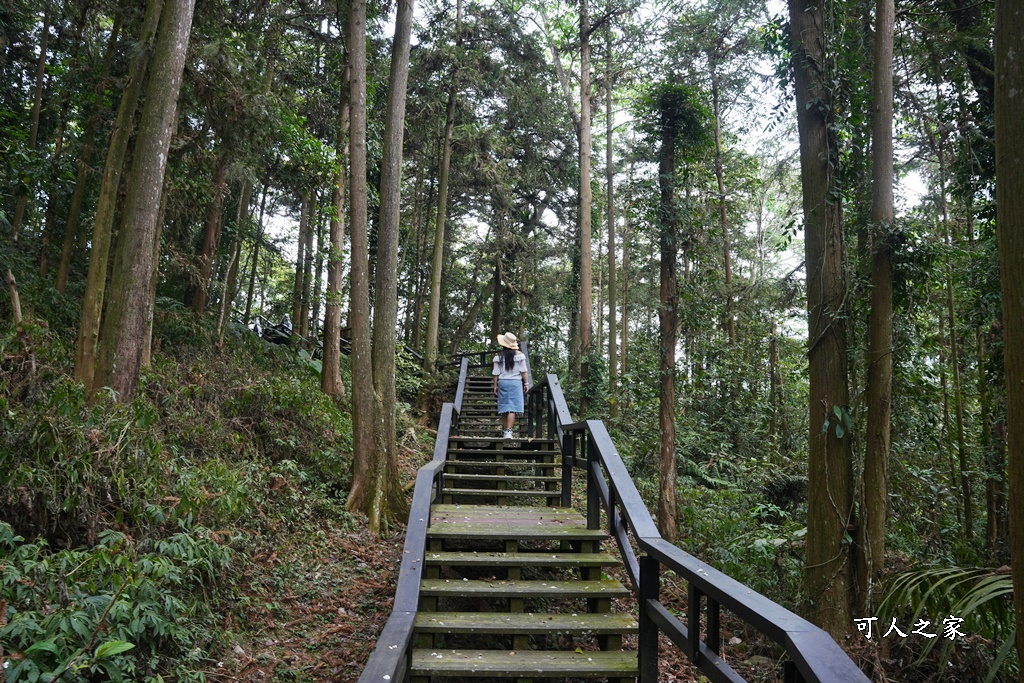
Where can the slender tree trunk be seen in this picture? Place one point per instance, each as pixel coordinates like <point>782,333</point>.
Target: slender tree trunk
<point>723,213</point>
<point>496,312</point>
<point>828,574</point>
<point>303,322</point>
<point>227,295</point>
<point>668,319</point>
<point>625,281</point>
<point>300,264</point>
<point>586,199</point>
<point>387,501</point>
<point>318,279</point>
<point>255,257</point>
<point>613,410</point>
<point>1009,45</point>
<point>880,340</point>
<point>363,454</point>
<point>211,236</point>
<point>434,308</point>
<point>330,378</point>
<point>21,197</point>
<point>12,289</point>
<point>120,352</point>
<point>103,221</point>
<point>82,175</point>
<point>958,407</point>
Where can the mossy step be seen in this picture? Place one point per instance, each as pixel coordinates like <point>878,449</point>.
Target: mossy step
<point>468,512</point>
<point>502,493</point>
<point>520,559</point>
<point>525,479</point>
<point>518,463</point>
<point>525,623</point>
<point>523,664</point>
<point>481,441</point>
<point>523,451</point>
<point>514,531</point>
<point>447,588</point>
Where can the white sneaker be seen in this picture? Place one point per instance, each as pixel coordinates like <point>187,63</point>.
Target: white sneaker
<point>508,433</point>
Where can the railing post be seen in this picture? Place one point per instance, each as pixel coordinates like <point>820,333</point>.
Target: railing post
<point>647,641</point>
<point>568,454</point>
<point>714,633</point>
<point>593,493</point>
<point>693,623</point>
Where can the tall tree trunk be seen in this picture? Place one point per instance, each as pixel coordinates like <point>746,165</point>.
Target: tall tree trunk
<point>120,350</point>
<point>82,175</point>
<point>227,295</point>
<point>609,165</point>
<point>958,407</point>
<point>1009,41</point>
<point>211,236</point>
<point>103,221</point>
<point>723,213</point>
<point>668,319</point>
<point>386,501</point>
<point>303,323</point>
<point>434,308</point>
<point>255,257</point>
<point>828,572</point>
<point>318,279</point>
<point>300,264</point>
<point>330,377</point>
<point>625,278</point>
<point>586,199</point>
<point>21,197</point>
<point>871,557</point>
<point>360,495</point>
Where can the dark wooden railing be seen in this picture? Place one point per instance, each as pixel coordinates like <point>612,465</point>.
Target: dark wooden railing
<point>811,654</point>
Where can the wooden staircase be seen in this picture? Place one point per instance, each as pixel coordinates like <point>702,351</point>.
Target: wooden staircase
<point>513,586</point>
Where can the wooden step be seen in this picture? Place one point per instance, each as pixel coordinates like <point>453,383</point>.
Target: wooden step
<point>458,588</point>
<point>512,479</point>
<point>513,532</point>
<point>476,440</point>
<point>523,664</point>
<point>469,513</point>
<point>524,450</point>
<point>525,623</point>
<point>517,464</point>
<point>502,493</point>
<point>520,559</point>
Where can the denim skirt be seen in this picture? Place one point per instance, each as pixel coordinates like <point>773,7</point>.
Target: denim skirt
<point>510,396</point>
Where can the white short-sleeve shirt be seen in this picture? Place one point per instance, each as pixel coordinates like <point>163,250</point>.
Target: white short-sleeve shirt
<point>515,372</point>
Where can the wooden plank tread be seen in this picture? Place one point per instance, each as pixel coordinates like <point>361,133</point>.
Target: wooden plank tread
<point>513,493</point>
<point>500,477</point>
<point>525,623</point>
<point>511,531</point>
<point>468,511</point>
<point>523,664</point>
<point>522,589</point>
<point>520,559</point>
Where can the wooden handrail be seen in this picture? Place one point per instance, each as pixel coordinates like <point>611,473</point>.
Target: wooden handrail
<point>814,657</point>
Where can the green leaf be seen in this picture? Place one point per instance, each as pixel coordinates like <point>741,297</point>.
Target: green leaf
<point>112,647</point>
<point>44,646</point>
<point>840,431</point>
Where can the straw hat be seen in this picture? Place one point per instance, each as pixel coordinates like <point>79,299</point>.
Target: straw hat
<point>509,341</point>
